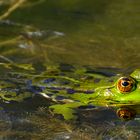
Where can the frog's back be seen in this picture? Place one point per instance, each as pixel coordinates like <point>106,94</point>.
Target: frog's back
<point>60,83</point>
<point>68,83</point>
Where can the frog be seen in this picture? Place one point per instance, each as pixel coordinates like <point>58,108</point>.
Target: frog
<point>70,88</point>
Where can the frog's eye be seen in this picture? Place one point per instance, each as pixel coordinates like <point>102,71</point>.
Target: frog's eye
<point>126,113</point>
<point>125,84</point>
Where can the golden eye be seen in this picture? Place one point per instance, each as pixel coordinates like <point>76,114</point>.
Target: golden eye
<point>126,113</point>
<point>125,84</point>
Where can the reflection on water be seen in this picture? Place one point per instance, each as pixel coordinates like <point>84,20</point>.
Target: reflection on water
<point>42,126</point>
<point>98,33</point>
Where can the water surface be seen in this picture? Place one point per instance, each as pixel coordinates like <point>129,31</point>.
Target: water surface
<point>94,33</point>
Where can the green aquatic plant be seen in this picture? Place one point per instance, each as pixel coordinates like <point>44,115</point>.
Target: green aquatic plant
<point>12,8</point>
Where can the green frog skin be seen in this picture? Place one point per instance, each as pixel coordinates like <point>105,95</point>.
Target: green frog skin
<point>71,89</point>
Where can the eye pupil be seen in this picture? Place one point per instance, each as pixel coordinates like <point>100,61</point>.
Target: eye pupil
<point>125,83</point>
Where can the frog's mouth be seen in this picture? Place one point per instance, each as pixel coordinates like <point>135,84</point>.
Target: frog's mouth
<point>132,97</point>
<point>108,97</point>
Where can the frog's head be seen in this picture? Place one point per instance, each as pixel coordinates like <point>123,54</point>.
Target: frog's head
<point>130,88</point>
<point>126,90</point>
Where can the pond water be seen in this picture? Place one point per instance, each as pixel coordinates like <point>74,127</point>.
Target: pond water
<point>96,33</point>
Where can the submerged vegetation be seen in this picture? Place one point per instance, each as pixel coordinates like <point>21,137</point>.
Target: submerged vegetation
<point>41,125</point>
